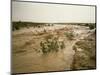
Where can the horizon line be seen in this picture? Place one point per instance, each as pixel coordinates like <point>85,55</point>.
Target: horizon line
<point>51,22</point>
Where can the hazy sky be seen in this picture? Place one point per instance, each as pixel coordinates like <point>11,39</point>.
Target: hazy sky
<point>40,12</point>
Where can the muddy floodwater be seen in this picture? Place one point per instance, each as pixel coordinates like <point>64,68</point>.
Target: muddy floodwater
<point>27,54</point>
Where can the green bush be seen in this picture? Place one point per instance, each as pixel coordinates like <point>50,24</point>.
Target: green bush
<point>51,44</point>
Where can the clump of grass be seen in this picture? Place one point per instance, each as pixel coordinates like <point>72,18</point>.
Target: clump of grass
<point>69,35</point>
<point>91,25</point>
<point>51,44</point>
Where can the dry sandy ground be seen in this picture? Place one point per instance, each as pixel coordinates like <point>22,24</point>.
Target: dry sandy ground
<point>26,54</point>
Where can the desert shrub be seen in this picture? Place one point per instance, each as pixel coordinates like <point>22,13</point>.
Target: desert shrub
<point>92,26</point>
<point>51,44</point>
<point>17,27</point>
<point>69,35</point>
